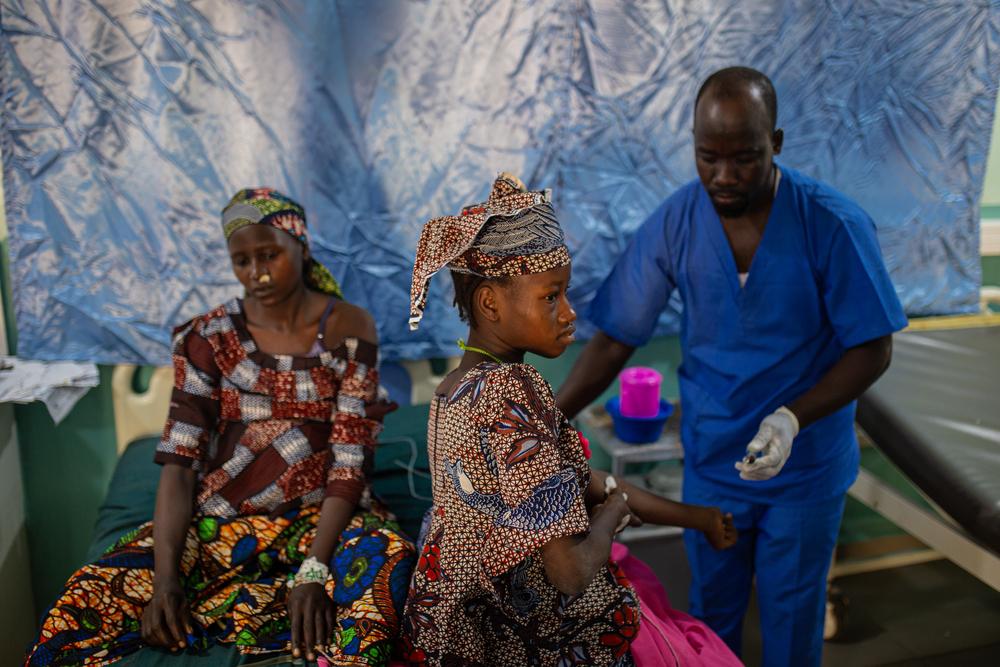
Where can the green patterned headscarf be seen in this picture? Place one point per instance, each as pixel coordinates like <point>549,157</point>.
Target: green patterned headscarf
<point>265,206</point>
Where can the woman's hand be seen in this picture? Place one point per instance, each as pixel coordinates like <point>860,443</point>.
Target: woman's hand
<point>166,619</point>
<point>313,619</point>
<point>379,409</point>
<point>719,528</point>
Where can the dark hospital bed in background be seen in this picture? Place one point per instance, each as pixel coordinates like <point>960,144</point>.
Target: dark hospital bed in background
<point>935,415</point>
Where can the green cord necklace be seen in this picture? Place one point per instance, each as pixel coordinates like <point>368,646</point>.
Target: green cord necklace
<point>468,348</point>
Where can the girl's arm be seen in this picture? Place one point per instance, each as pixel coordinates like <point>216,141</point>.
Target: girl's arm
<point>572,562</point>
<point>651,508</point>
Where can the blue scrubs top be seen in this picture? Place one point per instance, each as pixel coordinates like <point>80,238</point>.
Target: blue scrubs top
<point>817,286</point>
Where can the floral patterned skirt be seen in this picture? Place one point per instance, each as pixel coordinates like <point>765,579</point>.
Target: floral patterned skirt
<point>235,572</point>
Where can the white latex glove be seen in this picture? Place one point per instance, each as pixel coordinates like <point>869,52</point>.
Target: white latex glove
<point>771,447</point>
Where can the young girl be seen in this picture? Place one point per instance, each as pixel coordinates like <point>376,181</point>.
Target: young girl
<point>265,533</point>
<point>514,567</point>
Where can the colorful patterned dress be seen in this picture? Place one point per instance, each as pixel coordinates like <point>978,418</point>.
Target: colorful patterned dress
<point>270,437</point>
<point>509,475</point>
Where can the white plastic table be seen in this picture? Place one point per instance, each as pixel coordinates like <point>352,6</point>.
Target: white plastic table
<point>664,481</point>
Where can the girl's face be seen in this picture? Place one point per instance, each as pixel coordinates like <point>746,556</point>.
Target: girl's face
<point>258,251</point>
<point>535,313</point>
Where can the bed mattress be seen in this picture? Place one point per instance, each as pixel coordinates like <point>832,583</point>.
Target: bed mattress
<point>936,415</point>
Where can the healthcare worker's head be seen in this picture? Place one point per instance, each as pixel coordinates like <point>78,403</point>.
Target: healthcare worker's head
<point>736,139</point>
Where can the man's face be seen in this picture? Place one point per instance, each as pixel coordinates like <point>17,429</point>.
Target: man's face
<point>734,147</point>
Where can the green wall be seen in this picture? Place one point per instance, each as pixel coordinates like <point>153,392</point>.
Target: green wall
<point>66,472</point>
<point>991,186</point>
<point>17,609</point>
<point>991,270</point>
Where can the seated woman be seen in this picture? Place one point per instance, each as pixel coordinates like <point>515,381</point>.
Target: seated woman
<point>514,567</point>
<point>263,490</point>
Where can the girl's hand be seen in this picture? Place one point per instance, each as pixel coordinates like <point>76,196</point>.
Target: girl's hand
<point>616,503</point>
<point>166,619</point>
<point>719,528</point>
<point>313,618</point>
<point>611,484</point>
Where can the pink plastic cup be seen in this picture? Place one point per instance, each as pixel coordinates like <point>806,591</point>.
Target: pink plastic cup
<point>640,392</point>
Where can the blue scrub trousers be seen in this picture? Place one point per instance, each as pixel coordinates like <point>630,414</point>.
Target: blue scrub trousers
<point>789,548</point>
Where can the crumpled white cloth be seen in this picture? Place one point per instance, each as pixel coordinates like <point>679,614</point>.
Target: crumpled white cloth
<point>58,384</point>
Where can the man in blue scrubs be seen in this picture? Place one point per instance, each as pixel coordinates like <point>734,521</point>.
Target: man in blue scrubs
<point>788,316</point>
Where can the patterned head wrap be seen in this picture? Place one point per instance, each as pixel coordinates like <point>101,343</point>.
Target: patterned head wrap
<point>265,206</point>
<point>513,233</point>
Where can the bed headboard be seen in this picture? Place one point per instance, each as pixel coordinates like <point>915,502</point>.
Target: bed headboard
<point>139,414</point>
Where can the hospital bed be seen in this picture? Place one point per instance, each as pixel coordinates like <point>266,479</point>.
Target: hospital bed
<point>935,415</point>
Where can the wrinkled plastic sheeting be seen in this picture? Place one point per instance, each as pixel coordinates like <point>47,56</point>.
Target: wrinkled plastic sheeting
<point>127,125</point>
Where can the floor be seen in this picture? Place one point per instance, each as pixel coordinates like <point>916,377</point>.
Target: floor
<point>927,615</point>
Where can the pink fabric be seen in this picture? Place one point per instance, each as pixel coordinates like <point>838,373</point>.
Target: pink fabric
<point>668,637</point>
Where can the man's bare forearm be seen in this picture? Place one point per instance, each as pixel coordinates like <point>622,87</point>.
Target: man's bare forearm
<point>595,369</point>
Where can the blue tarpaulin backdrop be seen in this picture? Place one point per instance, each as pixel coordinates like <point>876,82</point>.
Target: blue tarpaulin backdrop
<point>128,124</point>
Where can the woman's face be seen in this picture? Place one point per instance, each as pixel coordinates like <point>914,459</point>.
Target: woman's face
<point>535,313</point>
<point>267,261</point>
